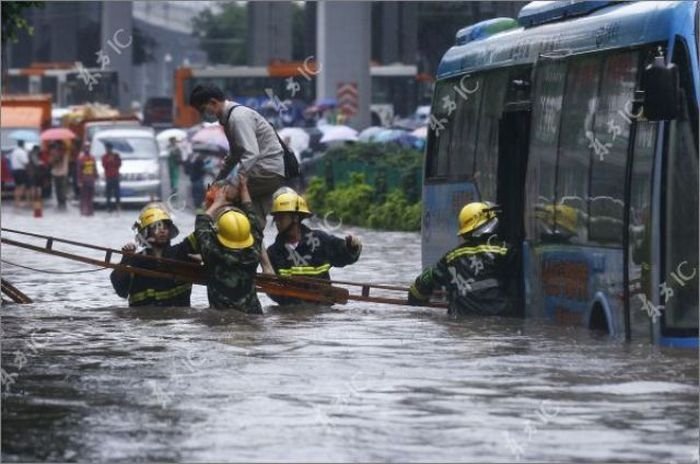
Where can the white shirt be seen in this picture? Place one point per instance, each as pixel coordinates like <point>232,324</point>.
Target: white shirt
<point>19,158</point>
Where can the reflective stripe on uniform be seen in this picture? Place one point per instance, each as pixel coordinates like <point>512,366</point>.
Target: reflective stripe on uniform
<point>417,294</point>
<point>474,250</point>
<point>193,241</point>
<point>159,294</point>
<point>305,270</point>
<point>483,284</point>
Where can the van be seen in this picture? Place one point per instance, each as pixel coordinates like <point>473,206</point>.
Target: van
<point>140,173</point>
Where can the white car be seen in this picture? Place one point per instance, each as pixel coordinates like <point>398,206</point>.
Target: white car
<point>140,173</point>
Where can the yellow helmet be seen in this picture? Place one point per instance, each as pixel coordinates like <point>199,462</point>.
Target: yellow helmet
<point>290,201</point>
<point>152,213</point>
<point>474,215</point>
<point>233,229</point>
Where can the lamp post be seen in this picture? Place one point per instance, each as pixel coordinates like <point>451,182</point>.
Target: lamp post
<point>167,79</point>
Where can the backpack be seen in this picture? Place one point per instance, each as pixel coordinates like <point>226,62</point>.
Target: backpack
<point>291,165</point>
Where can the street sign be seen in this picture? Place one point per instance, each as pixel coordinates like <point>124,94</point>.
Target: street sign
<point>347,98</point>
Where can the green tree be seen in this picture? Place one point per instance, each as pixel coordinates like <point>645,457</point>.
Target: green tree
<point>223,34</point>
<point>13,19</point>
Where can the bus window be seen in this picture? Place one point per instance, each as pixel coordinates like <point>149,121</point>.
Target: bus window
<point>546,109</point>
<point>609,141</point>
<point>486,159</point>
<point>681,221</point>
<point>441,129</point>
<point>574,153</point>
<point>465,124</point>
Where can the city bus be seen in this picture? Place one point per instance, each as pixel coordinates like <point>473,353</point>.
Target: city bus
<point>397,89</point>
<point>68,83</point>
<point>580,119</point>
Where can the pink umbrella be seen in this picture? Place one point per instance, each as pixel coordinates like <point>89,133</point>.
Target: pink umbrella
<point>213,135</point>
<point>57,133</point>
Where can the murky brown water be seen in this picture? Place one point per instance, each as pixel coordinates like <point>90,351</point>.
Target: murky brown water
<point>96,381</point>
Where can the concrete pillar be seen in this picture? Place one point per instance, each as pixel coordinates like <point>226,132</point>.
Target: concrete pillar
<point>390,32</point>
<point>269,32</point>
<point>62,30</point>
<point>343,45</point>
<point>117,43</point>
<point>408,33</point>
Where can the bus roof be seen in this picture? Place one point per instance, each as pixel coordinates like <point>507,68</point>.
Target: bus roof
<point>224,71</point>
<point>552,29</point>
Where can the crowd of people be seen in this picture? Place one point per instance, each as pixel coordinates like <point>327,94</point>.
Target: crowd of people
<point>56,169</point>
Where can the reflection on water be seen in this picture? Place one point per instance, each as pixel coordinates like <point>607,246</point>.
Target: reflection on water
<point>94,380</point>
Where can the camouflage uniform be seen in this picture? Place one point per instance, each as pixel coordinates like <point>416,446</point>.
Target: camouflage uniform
<point>316,252</point>
<point>230,273</point>
<point>475,275</point>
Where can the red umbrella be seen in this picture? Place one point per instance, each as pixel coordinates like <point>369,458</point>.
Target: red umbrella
<point>57,133</point>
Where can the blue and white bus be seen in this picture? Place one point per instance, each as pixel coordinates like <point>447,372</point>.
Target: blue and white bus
<point>581,120</point>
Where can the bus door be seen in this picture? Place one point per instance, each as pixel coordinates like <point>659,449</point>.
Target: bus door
<point>513,145</point>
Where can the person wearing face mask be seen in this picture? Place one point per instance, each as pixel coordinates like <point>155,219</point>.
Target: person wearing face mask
<point>301,251</point>
<point>253,145</point>
<point>155,229</point>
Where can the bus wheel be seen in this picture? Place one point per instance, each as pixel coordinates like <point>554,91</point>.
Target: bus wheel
<point>598,320</point>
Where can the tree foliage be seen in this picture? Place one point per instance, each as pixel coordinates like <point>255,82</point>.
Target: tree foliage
<point>13,19</point>
<point>223,34</point>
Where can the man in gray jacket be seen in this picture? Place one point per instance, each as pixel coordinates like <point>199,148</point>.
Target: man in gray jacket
<point>253,145</point>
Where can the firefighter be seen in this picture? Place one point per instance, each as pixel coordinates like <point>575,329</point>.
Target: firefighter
<point>301,251</point>
<point>230,241</point>
<point>155,229</point>
<point>475,273</point>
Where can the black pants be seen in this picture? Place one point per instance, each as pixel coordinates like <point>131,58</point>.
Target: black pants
<point>112,188</point>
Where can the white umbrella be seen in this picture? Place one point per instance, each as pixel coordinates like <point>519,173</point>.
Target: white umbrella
<point>298,139</point>
<point>367,135</point>
<point>421,132</point>
<point>338,134</point>
<point>164,137</point>
<point>212,134</point>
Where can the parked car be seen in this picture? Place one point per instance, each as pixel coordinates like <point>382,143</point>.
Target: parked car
<point>140,173</point>
<point>92,127</point>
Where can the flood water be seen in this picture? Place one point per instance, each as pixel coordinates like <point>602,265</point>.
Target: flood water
<point>92,380</point>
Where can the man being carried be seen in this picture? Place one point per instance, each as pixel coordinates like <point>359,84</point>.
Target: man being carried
<point>230,240</point>
<point>301,251</point>
<point>155,231</point>
<point>253,145</point>
<point>475,273</point>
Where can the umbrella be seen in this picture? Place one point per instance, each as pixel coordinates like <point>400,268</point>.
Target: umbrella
<point>367,135</point>
<point>26,135</point>
<point>323,103</point>
<point>57,133</point>
<point>298,138</point>
<point>421,132</point>
<point>399,137</point>
<point>164,136</point>
<point>338,134</point>
<point>213,135</point>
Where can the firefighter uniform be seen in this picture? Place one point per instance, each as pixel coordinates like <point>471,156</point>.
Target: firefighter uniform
<point>475,274</point>
<point>153,291</point>
<point>231,248</point>
<point>314,254</point>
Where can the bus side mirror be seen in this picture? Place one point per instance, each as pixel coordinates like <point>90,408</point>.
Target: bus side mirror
<point>661,89</point>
